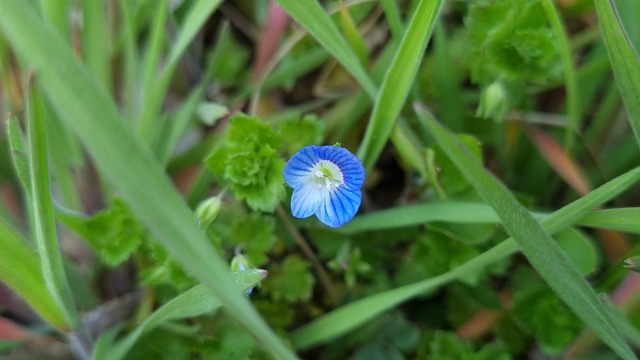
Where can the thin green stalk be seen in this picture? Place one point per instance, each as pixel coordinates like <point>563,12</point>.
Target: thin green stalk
<point>397,81</point>
<point>311,15</point>
<point>325,280</point>
<point>21,270</point>
<point>394,20</point>
<point>571,82</point>
<point>624,61</point>
<point>148,125</point>
<point>130,96</point>
<point>152,105</point>
<point>44,225</point>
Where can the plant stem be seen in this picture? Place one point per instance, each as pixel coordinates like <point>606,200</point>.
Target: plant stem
<point>308,252</point>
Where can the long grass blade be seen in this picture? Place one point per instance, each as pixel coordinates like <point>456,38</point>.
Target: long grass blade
<point>198,13</point>
<point>44,227</point>
<point>571,82</point>
<point>21,270</point>
<point>312,17</point>
<point>624,61</point>
<point>398,80</point>
<point>543,252</point>
<point>623,219</point>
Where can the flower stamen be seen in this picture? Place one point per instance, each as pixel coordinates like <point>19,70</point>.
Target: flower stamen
<point>328,175</point>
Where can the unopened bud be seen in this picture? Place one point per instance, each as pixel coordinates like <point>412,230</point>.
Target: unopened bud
<point>207,211</point>
<point>240,264</point>
<point>493,102</point>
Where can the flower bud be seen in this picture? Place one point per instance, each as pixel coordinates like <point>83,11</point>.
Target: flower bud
<point>493,102</point>
<point>240,263</point>
<point>207,211</point>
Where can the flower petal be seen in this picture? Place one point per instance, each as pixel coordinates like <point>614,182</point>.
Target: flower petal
<point>352,169</point>
<point>306,199</point>
<point>298,168</point>
<point>337,209</point>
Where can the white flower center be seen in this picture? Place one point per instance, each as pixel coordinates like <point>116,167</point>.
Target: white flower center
<point>327,175</point>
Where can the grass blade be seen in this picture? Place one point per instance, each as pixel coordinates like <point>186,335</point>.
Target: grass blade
<point>18,153</point>
<point>21,270</point>
<point>397,81</point>
<point>130,167</point>
<point>541,250</point>
<point>450,211</point>
<point>198,13</point>
<point>392,14</point>
<point>312,17</point>
<point>95,41</point>
<point>568,67</point>
<point>625,63</point>
<point>624,219</point>
<point>44,227</point>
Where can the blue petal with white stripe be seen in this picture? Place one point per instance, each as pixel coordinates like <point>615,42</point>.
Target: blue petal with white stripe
<point>326,181</point>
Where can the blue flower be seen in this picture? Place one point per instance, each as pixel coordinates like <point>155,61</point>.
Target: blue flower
<point>326,181</point>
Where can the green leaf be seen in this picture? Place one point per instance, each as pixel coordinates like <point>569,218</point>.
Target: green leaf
<point>249,162</point>
<point>18,153</point>
<point>543,253</point>
<point>194,302</point>
<point>392,15</point>
<point>450,178</point>
<point>625,219</point>
<point>113,233</point>
<point>96,46</point>
<point>580,248</point>
<point>533,301</point>
<point>411,215</point>
<point>291,280</point>
<point>21,270</point>
<point>570,78</point>
<point>298,132</point>
<point>511,39</point>
<point>210,112</point>
<point>443,345</point>
<point>628,12</point>
<point>315,20</point>
<point>397,81</point>
<point>255,237</point>
<point>41,205</point>
<point>179,122</point>
<point>193,22</point>
<point>624,61</point>
<point>130,167</point>
<point>352,35</point>
<point>198,13</point>
<point>228,59</point>
<point>435,254</point>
